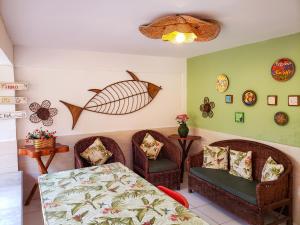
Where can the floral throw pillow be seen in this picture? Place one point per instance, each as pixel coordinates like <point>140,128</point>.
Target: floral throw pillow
<point>215,157</point>
<point>151,146</point>
<point>96,153</point>
<point>241,164</point>
<point>271,170</point>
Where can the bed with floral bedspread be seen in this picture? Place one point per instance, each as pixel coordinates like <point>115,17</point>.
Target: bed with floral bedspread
<point>110,194</point>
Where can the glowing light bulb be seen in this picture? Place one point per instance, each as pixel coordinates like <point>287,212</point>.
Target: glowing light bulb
<point>176,37</point>
<point>180,38</point>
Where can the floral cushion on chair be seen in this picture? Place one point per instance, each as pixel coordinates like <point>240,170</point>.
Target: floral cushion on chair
<point>215,157</point>
<point>96,153</point>
<point>271,170</point>
<point>241,164</point>
<point>151,146</point>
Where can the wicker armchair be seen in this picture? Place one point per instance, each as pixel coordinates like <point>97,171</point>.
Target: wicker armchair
<point>110,145</point>
<point>165,170</point>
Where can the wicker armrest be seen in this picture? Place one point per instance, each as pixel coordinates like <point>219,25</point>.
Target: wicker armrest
<point>118,155</point>
<point>194,161</point>
<point>140,159</point>
<point>79,161</point>
<point>273,191</point>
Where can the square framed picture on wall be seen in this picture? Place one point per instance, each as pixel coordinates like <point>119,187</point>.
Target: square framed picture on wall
<point>229,99</point>
<point>239,117</point>
<point>272,99</point>
<point>294,100</point>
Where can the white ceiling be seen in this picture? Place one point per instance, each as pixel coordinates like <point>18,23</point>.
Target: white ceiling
<point>112,25</point>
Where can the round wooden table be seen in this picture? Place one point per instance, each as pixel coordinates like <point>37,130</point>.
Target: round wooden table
<point>185,144</point>
<point>34,153</point>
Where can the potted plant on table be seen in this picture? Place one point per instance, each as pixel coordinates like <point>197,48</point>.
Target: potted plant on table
<point>183,129</point>
<point>41,138</point>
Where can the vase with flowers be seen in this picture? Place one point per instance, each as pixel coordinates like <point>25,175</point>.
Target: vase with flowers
<point>183,129</point>
<point>40,138</point>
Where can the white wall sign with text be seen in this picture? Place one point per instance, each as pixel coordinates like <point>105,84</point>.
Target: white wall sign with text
<point>11,100</point>
<point>12,115</point>
<point>17,86</point>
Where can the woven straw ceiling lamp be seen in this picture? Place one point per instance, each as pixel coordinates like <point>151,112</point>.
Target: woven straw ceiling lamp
<point>181,29</point>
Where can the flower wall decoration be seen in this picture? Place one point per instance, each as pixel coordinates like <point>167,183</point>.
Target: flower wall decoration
<point>42,113</point>
<point>206,108</point>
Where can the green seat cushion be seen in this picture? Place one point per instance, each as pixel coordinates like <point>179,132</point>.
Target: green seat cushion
<point>245,189</point>
<point>160,165</point>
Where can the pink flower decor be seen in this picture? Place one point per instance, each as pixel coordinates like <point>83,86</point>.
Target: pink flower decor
<point>40,134</point>
<point>182,118</point>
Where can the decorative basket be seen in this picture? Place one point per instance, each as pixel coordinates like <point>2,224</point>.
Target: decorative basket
<point>43,143</point>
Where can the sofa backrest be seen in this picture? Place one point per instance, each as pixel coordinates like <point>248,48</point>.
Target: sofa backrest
<point>260,153</point>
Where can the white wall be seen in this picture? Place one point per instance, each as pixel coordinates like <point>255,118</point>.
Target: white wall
<point>67,75</point>
<point>8,144</point>
<point>293,153</point>
<point>6,47</point>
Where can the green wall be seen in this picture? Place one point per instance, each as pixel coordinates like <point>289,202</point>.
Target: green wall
<point>247,67</point>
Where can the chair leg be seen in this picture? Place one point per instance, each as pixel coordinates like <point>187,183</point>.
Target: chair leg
<point>290,215</point>
<point>261,220</point>
<point>190,190</point>
<point>178,187</point>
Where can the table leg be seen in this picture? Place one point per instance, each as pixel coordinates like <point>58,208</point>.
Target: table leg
<point>43,170</point>
<point>49,160</point>
<point>33,190</point>
<point>183,147</point>
<point>185,152</point>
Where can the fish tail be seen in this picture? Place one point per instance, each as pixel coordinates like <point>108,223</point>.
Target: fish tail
<point>75,112</point>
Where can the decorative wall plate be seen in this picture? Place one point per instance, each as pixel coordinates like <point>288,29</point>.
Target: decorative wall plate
<point>249,98</point>
<point>283,69</point>
<point>206,108</point>
<point>222,83</point>
<point>281,118</point>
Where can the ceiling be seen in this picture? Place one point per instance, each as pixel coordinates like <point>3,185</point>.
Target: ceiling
<point>112,25</point>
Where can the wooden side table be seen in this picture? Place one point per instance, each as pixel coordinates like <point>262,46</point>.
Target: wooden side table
<point>34,153</point>
<point>185,144</point>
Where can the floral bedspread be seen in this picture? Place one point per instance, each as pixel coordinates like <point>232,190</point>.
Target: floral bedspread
<point>110,194</point>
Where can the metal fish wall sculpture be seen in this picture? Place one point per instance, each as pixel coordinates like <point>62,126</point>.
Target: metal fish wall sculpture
<point>119,98</point>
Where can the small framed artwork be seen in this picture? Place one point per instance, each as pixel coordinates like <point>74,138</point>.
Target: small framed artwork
<point>272,99</point>
<point>229,99</point>
<point>294,100</point>
<point>239,117</point>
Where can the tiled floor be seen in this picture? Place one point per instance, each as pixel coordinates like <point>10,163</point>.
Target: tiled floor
<point>210,212</point>
<point>207,210</point>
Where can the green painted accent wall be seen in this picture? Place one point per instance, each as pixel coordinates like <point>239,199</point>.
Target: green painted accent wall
<point>247,67</point>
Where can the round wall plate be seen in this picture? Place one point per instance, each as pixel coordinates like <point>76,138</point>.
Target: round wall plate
<point>283,69</point>
<point>249,98</point>
<point>281,118</point>
<point>222,83</point>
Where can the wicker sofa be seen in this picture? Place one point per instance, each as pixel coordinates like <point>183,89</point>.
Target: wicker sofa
<point>250,200</point>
